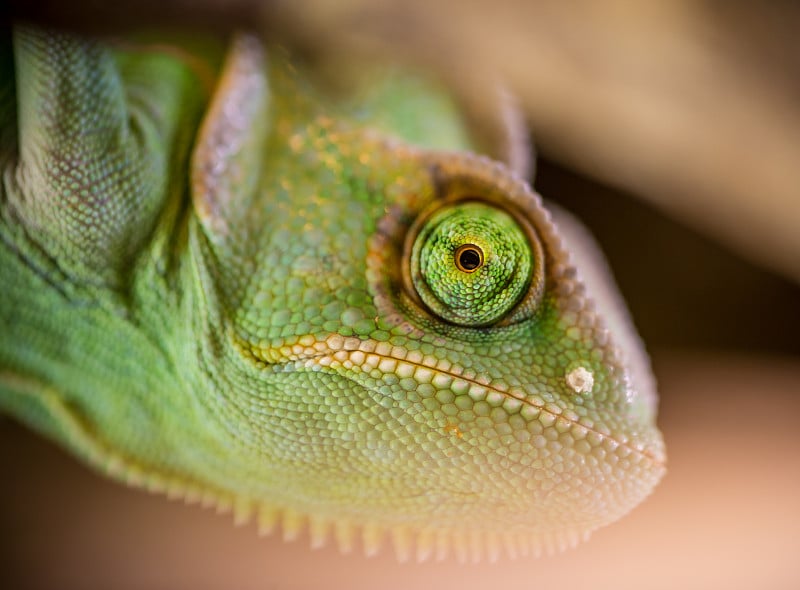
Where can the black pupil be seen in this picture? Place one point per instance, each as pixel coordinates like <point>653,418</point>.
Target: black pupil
<point>469,259</point>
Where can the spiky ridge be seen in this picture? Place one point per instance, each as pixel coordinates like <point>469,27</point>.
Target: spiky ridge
<point>370,538</point>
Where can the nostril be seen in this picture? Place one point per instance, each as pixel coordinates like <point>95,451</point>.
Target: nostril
<point>580,380</point>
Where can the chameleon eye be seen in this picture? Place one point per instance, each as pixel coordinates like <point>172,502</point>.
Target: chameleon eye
<point>471,263</point>
<point>468,258</point>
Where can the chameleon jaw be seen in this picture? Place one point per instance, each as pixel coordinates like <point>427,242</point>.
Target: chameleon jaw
<point>421,544</point>
<point>366,355</point>
<point>349,356</point>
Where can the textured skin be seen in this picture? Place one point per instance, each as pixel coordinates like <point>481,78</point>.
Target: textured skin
<point>253,333</point>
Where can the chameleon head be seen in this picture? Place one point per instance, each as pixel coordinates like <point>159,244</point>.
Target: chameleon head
<point>416,350</point>
<point>341,331</point>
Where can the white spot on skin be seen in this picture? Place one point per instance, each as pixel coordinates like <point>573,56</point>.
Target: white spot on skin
<point>580,380</point>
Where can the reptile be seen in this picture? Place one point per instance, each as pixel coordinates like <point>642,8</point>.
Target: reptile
<point>310,296</point>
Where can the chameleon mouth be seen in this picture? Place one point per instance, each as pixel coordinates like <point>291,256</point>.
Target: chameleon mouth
<point>340,353</point>
<point>344,354</point>
<point>353,357</point>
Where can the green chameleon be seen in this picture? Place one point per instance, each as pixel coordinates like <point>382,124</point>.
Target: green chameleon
<point>305,297</point>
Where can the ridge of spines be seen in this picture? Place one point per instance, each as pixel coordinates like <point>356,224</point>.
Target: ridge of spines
<point>409,544</point>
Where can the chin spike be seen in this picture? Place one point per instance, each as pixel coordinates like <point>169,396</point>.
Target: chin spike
<point>547,546</point>
<point>442,545</point>
<point>207,500</point>
<point>175,491</point>
<point>493,547</point>
<point>345,535</point>
<point>318,529</point>
<point>292,524</point>
<point>242,511</point>
<point>267,520</point>
<point>134,477</point>
<point>115,466</point>
<point>510,544</point>
<point>523,545</point>
<point>402,542</point>
<point>154,484</point>
<point>476,546</point>
<point>426,543</point>
<point>460,547</point>
<point>372,535</point>
<point>222,505</point>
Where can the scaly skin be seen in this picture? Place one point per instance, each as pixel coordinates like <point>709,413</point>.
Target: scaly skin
<point>292,327</point>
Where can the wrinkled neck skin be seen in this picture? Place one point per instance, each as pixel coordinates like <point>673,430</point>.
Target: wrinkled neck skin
<point>280,358</point>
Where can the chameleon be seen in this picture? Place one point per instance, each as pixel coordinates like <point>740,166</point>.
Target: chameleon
<point>317,300</point>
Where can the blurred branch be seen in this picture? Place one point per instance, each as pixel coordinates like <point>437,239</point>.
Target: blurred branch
<point>691,104</point>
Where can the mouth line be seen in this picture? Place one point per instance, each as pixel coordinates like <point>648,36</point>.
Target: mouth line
<point>352,353</point>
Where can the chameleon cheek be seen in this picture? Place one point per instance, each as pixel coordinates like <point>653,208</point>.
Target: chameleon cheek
<point>463,452</point>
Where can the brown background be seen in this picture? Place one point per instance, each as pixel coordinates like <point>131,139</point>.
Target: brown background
<point>724,336</point>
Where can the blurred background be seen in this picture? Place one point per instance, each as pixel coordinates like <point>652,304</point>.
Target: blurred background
<point>672,129</point>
